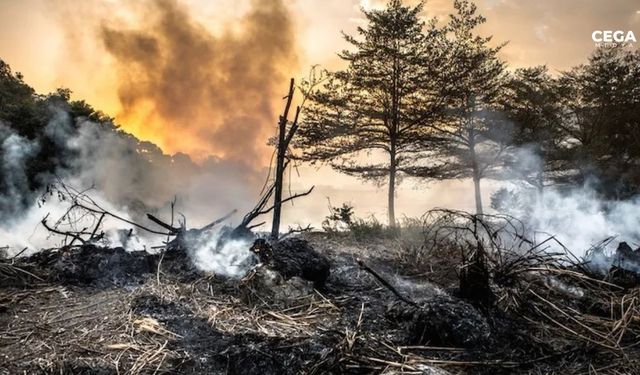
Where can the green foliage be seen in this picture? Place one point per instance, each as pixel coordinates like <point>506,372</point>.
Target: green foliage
<point>20,107</point>
<point>600,125</point>
<point>470,137</point>
<point>43,124</point>
<point>371,228</point>
<point>343,221</point>
<point>339,218</point>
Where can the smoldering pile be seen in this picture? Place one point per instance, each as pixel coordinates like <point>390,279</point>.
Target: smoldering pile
<point>625,265</point>
<point>293,258</point>
<point>88,254</point>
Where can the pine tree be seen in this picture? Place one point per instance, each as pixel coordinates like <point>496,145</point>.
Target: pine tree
<point>600,124</point>
<point>473,136</point>
<point>369,120</point>
<point>530,100</point>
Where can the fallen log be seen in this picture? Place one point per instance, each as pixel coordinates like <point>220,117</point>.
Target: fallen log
<point>172,230</point>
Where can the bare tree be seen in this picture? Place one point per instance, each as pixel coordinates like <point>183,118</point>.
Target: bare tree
<point>284,138</point>
<point>272,190</point>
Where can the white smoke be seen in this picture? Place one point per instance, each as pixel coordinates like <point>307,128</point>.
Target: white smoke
<point>576,216</point>
<point>59,128</point>
<point>14,152</point>
<point>228,257</point>
<point>128,178</point>
<point>580,220</point>
<point>29,233</point>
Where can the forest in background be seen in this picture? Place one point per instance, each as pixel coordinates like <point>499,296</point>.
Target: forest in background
<point>422,99</point>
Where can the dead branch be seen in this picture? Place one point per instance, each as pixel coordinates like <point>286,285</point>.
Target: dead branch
<point>287,200</point>
<point>53,230</point>
<point>282,160</point>
<point>139,226</point>
<point>166,226</point>
<point>281,150</point>
<point>255,212</point>
<point>386,283</point>
<point>19,253</point>
<point>297,230</point>
<point>82,207</point>
<point>218,221</point>
<point>256,225</point>
<point>95,229</point>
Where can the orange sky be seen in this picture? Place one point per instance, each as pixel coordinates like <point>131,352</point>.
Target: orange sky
<point>54,44</point>
<point>57,43</point>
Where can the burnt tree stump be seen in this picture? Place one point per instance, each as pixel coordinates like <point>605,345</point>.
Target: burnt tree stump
<point>293,257</point>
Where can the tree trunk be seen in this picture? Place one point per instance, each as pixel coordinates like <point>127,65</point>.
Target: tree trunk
<point>392,188</point>
<point>277,194</point>
<point>478,195</point>
<point>281,153</point>
<point>393,133</point>
<point>476,170</point>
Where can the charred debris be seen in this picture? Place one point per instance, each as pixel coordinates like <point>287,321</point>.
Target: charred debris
<point>503,304</point>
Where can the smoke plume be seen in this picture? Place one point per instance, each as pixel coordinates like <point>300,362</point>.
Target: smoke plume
<point>190,91</point>
<point>14,151</point>
<point>228,257</point>
<point>576,216</point>
<point>127,177</point>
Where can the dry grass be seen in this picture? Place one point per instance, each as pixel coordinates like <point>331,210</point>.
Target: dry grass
<point>52,327</point>
<point>585,325</point>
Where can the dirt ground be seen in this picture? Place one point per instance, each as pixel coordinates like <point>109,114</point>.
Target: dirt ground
<point>147,314</point>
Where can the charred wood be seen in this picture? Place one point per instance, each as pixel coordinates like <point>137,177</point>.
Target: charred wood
<point>386,284</point>
<point>293,257</point>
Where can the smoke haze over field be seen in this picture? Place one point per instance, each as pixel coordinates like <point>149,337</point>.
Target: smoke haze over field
<point>66,41</point>
<point>576,216</point>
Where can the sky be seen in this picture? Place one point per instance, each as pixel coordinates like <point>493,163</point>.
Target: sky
<point>93,47</point>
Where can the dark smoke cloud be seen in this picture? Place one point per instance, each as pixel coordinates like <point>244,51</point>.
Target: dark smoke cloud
<point>199,93</point>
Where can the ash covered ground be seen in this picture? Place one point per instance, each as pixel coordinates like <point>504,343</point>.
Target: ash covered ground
<point>92,310</point>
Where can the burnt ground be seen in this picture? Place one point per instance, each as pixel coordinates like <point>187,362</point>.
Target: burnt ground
<point>105,311</point>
